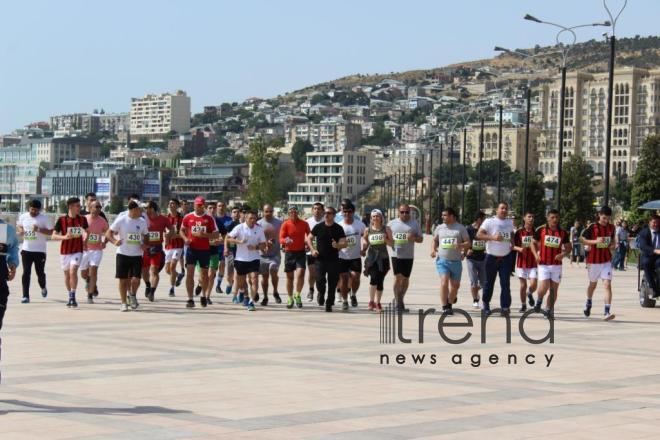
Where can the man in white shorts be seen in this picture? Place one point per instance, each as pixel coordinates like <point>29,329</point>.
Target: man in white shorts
<point>526,266</point>
<point>94,244</point>
<point>173,245</point>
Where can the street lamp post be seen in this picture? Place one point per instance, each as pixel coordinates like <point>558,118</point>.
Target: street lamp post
<point>451,169</point>
<point>463,176</point>
<point>499,159</point>
<point>481,153</point>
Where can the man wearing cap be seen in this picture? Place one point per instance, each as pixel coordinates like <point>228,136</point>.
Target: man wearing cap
<point>8,264</point>
<point>35,228</point>
<point>292,236</point>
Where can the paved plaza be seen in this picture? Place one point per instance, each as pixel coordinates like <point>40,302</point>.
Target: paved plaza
<point>165,372</point>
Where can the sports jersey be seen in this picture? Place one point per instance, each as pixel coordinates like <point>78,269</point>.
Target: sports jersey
<point>523,238</point>
<point>353,234</point>
<point>198,223</point>
<point>34,241</point>
<point>157,226</point>
<point>599,253</point>
<point>253,236</point>
<point>131,232</point>
<point>96,228</point>
<point>296,231</point>
<point>75,226</point>
<point>176,242</point>
<point>550,244</point>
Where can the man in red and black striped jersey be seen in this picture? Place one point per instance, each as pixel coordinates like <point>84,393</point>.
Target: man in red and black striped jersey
<point>550,245</point>
<point>526,262</point>
<point>600,237</point>
<point>69,229</point>
<point>174,245</point>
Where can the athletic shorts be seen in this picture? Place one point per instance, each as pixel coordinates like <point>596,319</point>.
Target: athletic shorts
<point>91,258</point>
<point>527,273</point>
<point>68,260</point>
<point>156,259</point>
<point>246,267</point>
<point>601,271</point>
<point>310,260</point>
<point>549,272</point>
<point>214,261</point>
<point>198,256</point>
<point>173,254</point>
<point>451,267</point>
<point>269,264</point>
<point>229,263</point>
<point>128,267</point>
<point>477,272</point>
<point>402,266</point>
<point>354,265</point>
<point>294,260</point>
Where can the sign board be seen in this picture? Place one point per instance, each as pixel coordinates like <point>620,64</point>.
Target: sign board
<point>102,186</point>
<point>151,188</point>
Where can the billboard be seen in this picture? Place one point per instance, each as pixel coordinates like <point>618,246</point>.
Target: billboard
<point>102,187</point>
<point>151,188</point>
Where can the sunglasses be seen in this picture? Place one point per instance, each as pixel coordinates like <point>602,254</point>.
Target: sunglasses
<point>404,212</point>
<point>97,206</point>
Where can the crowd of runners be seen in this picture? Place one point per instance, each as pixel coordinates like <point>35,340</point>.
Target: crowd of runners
<point>237,252</point>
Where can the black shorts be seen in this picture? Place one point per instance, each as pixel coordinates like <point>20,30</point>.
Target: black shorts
<point>198,256</point>
<point>354,265</point>
<point>246,267</point>
<point>311,260</point>
<point>294,260</point>
<point>128,267</point>
<point>402,266</point>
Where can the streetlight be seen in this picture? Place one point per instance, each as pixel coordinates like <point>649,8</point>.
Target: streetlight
<point>564,50</point>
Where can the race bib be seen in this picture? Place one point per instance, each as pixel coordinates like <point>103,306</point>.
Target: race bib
<point>351,241</point>
<point>605,244</point>
<point>154,236</point>
<point>478,245</point>
<point>447,243</point>
<point>526,241</point>
<point>400,238</point>
<point>75,231</point>
<point>30,235</point>
<point>376,239</point>
<point>552,242</point>
<point>134,239</point>
<point>93,239</point>
<point>198,229</point>
<point>506,237</point>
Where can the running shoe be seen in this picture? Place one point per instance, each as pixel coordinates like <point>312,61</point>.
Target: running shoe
<point>151,294</point>
<point>523,308</point>
<point>278,298</point>
<point>537,306</point>
<point>505,312</point>
<point>587,310</point>
<point>133,301</point>
<point>486,309</point>
<point>234,300</point>
<point>608,316</point>
<point>371,306</point>
<point>344,306</point>
<point>251,307</point>
<point>256,297</point>
<point>124,307</point>
<point>379,307</point>
<point>25,300</point>
<point>198,290</point>
<point>401,307</point>
<point>172,291</point>
<point>95,293</point>
<point>354,301</point>
<point>208,301</point>
<point>475,303</point>
<point>202,301</point>
<point>246,301</point>
<point>90,299</point>
<point>530,299</point>
<point>264,302</point>
<point>228,289</point>
<point>44,292</point>
<point>190,303</point>
<point>241,297</point>
<point>146,291</point>
<point>179,278</point>
<point>218,288</point>
<point>73,302</point>
<point>289,302</point>
<point>328,308</point>
<point>298,300</point>
<point>320,299</point>
<point>310,295</point>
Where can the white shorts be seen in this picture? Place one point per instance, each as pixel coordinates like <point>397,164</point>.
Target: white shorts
<point>601,271</point>
<point>91,258</point>
<point>173,254</point>
<point>550,272</point>
<point>526,273</point>
<point>70,260</point>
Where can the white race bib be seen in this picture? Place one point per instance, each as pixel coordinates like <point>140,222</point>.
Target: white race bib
<point>527,241</point>
<point>93,238</point>
<point>75,231</point>
<point>134,239</point>
<point>154,236</point>
<point>198,229</point>
<point>377,238</point>
<point>30,235</point>
<point>351,241</point>
<point>478,245</point>
<point>400,238</point>
<point>506,237</point>
<point>605,244</point>
<point>552,241</point>
<point>448,243</point>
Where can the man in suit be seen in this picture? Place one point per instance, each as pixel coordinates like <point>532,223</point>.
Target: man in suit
<point>649,245</point>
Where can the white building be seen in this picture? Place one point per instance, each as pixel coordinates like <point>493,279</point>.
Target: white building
<point>153,116</point>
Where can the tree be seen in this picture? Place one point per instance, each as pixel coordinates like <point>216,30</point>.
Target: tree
<point>577,192</point>
<point>298,153</point>
<point>471,207</point>
<point>285,181</point>
<point>646,183</point>
<point>382,136</point>
<point>262,188</point>
<point>116,205</point>
<point>535,198</point>
<point>621,191</point>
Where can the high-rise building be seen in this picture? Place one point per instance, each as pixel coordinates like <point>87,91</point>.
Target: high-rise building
<point>326,136</point>
<point>154,116</point>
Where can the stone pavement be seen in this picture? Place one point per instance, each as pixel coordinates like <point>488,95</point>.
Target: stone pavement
<point>165,372</point>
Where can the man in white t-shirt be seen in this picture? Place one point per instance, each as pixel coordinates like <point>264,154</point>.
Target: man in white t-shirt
<point>132,231</point>
<point>35,228</point>
<point>350,263</point>
<point>498,233</point>
<point>315,219</point>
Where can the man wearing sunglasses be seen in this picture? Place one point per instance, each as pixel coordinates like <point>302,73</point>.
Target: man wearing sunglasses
<point>405,232</point>
<point>330,238</point>
<point>93,246</point>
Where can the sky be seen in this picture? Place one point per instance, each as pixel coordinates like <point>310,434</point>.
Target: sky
<point>70,56</point>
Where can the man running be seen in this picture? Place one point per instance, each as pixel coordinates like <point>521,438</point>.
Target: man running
<point>293,233</point>
<point>475,256</point>
<point>498,233</point>
<point>230,253</point>
<point>215,254</point>
<point>173,245</point>
<point>35,228</point>
<point>197,228</point>
<point>315,219</point>
<point>94,244</point>
<point>330,238</point>
<point>350,263</point>
<point>250,239</point>
<point>153,258</point>
<point>526,262</point>
<point>69,230</point>
<point>600,236</point>
<point>225,220</point>
<point>550,245</point>
<point>132,230</point>
<point>270,257</point>
<point>405,232</point>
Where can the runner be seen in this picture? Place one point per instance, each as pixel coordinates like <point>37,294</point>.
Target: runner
<point>8,263</point>
<point>35,228</point>
<point>600,236</point>
<point>226,220</point>
<point>450,239</point>
<point>330,238</point>
<point>350,263</point>
<point>174,245</point>
<point>153,258</point>
<point>476,263</point>
<point>93,249</point>
<point>270,257</point>
<point>550,245</point>
<point>69,230</point>
<point>132,230</point>
<point>250,239</point>
<point>315,219</point>
<point>405,232</point>
<point>292,235</point>
<point>498,233</point>
<point>375,240</point>
<point>526,262</point>
<point>215,252</point>
<point>575,233</point>
<point>197,229</point>
<point>230,254</point>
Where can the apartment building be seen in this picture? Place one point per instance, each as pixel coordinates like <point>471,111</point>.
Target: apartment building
<point>153,116</point>
<point>212,181</point>
<point>326,136</point>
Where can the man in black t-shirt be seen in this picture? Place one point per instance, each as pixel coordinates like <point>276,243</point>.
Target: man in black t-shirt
<point>330,237</point>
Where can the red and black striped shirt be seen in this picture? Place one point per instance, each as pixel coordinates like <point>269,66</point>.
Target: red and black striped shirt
<point>523,238</point>
<point>549,244</point>
<point>77,225</point>
<point>599,253</point>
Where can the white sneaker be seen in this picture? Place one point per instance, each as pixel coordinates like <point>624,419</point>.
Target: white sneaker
<point>124,307</point>
<point>133,301</point>
<point>475,304</point>
<point>608,317</point>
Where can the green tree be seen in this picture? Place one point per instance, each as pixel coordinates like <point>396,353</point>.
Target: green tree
<point>382,136</point>
<point>262,188</point>
<point>577,192</point>
<point>471,207</point>
<point>298,153</point>
<point>535,198</point>
<point>646,183</point>
<point>116,205</point>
